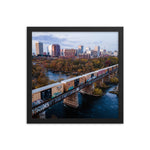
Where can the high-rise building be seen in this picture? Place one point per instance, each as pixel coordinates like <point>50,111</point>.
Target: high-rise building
<point>94,53</point>
<point>88,52</point>
<point>84,56</point>
<point>62,52</point>
<point>55,50</point>
<point>80,49</point>
<point>104,52</point>
<point>87,49</point>
<point>110,53</point>
<point>39,48</point>
<point>116,53</point>
<point>70,53</point>
<point>97,48</point>
<point>101,50</point>
<point>50,50</point>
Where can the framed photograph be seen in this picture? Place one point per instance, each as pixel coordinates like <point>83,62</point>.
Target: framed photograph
<point>74,74</point>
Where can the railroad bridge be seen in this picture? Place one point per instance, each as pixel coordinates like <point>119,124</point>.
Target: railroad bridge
<point>67,90</point>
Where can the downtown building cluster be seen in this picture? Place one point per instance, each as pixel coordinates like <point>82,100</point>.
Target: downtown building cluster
<point>54,50</point>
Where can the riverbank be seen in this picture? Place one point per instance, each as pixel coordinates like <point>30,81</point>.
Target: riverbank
<point>98,92</point>
<point>90,95</point>
<point>115,90</point>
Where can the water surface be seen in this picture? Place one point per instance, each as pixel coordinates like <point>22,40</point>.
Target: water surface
<point>56,75</point>
<point>103,107</point>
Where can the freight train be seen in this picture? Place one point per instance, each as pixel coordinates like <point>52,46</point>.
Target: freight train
<point>53,90</point>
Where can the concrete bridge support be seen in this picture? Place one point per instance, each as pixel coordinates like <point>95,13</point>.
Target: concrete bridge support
<point>99,82</point>
<point>116,73</point>
<point>89,89</point>
<point>72,100</point>
<point>107,78</point>
<point>111,75</point>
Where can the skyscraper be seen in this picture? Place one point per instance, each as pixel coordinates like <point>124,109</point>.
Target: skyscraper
<point>104,52</point>
<point>50,50</point>
<point>94,53</point>
<point>39,48</point>
<point>97,48</point>
<point>80,49</point>
<point>88,50</point>
<point>116,53</point>
<point>55,50</point>
<point>62,52</point>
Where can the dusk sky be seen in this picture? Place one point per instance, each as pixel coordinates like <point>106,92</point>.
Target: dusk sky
<point>107,40</point>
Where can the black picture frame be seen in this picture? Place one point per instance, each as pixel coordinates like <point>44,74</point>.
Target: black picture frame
<point>29,73</point>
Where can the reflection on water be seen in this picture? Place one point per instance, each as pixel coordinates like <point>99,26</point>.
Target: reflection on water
<point>104,107</point>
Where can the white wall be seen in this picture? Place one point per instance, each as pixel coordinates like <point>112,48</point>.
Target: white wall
<point>16,134</point>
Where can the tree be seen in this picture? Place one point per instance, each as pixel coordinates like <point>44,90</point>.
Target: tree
<point>114,80</point>
<point>98,92</point>
<point>79,71</point>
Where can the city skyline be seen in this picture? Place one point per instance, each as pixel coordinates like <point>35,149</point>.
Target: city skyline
<point>67,40</point>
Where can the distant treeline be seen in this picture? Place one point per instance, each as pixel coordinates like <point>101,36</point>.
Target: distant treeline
<point>68,66</point>
<point>77,66</point>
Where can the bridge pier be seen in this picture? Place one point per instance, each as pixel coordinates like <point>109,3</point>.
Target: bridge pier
<point>107,78</point>
<point>116,73</point>
<point>89,89</point>
<point>111,75</point>
<point>100,82</point>
<point>72,100</point>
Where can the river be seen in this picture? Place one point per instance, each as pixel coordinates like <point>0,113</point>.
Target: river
<point>56,75</point>
<point>103,107</point>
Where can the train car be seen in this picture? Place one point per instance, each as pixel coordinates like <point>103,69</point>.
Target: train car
<point>71,83</point>
<point>104,70</point>
<point>36,96</point>
<point>90,76</point>
<point>114,67</point>
<point>57,90</point>
<point>110,69</point>
<point>82,80</point>
<point>107,69</point>
<point>47,92</point>
<point>87,77</point>
<point>117,66</point>
<point>93,74</point>
<point>101,71</point>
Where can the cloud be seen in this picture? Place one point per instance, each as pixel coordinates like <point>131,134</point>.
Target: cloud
<point>108,40</point>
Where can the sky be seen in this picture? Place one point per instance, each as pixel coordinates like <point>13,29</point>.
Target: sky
<point>106,40</point>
